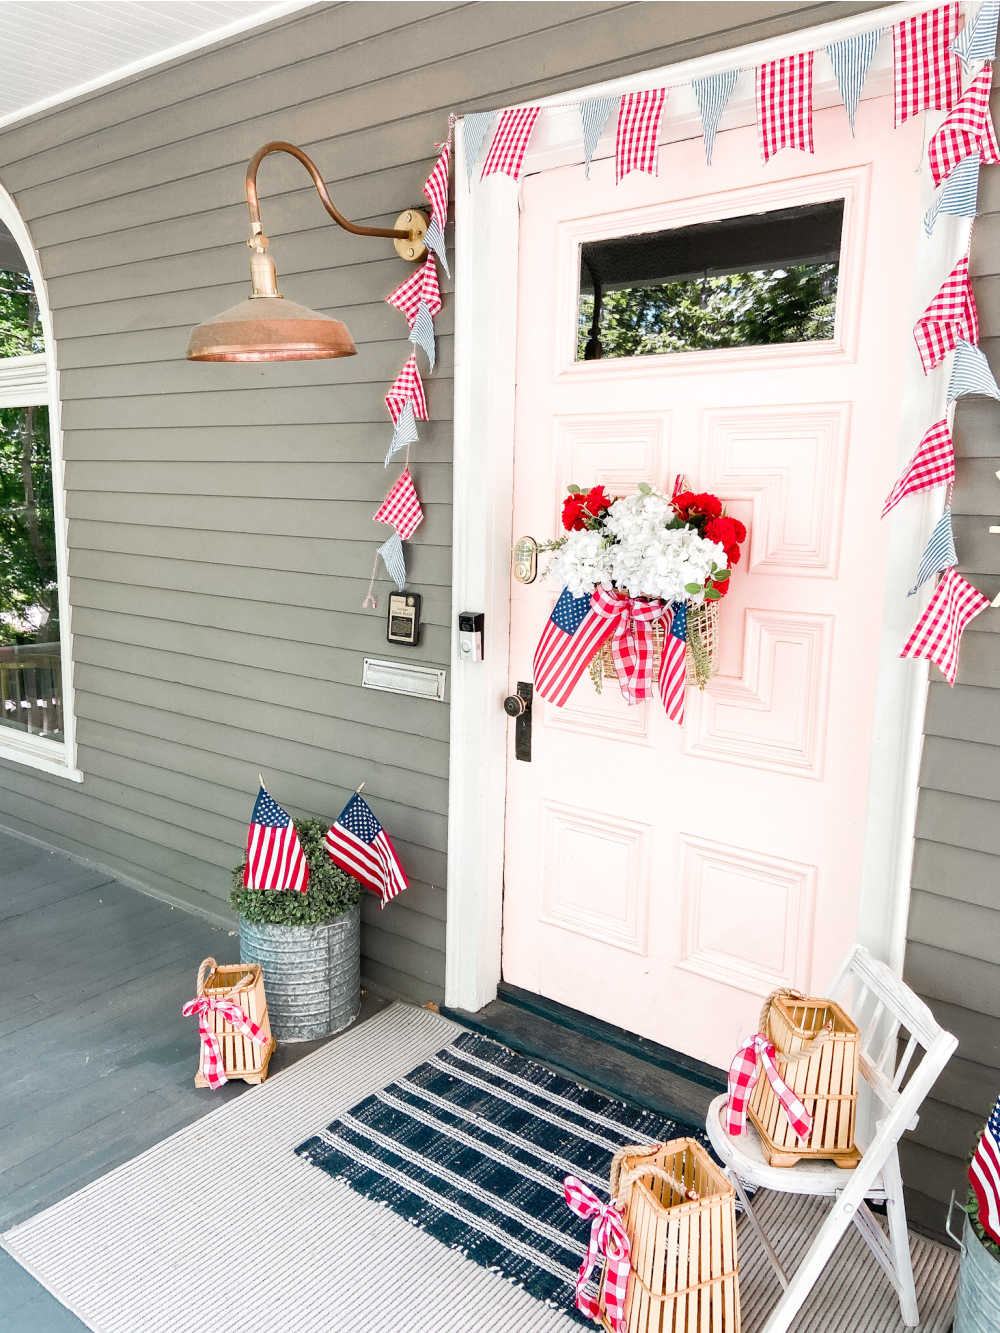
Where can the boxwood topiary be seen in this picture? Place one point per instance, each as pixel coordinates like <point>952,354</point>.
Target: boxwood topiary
<point>330,893</point>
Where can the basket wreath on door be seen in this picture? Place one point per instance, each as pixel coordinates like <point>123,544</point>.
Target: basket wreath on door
<point>642,576</point>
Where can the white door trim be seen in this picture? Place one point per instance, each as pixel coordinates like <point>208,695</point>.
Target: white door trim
<point>486,218</point>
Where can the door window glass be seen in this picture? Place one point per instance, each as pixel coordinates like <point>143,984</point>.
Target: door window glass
<point>752,281</point>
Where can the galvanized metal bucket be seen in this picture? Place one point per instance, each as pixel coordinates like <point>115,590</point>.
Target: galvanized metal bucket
<point>312,974</point>
<point>978,1305</point>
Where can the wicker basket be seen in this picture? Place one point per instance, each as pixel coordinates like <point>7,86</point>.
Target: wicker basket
<point>702,649</point>
<point>680,1215</point>
<point>816,1049</point>
<point>244,984</point>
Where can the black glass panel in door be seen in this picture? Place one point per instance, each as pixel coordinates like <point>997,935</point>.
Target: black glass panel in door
<point>751,281</point>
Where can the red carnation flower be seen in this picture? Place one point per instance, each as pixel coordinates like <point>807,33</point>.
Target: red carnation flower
<point>572,510</point>
<point>721,587</point>
<point>708,504</point>
<point>597,500</point>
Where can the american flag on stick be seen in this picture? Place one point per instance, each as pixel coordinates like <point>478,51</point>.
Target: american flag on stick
<point>358,843</point>
<point>571,637</point>
<point>984,1175</point>
<point>673,662</point>
<point>275,859</point>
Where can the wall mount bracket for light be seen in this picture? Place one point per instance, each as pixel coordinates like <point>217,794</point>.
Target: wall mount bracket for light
<point>267,326</point>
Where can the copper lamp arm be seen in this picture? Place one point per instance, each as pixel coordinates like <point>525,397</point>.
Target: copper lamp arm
<point>253,202</point>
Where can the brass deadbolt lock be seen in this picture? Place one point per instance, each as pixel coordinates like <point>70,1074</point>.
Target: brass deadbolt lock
<point>526,560</point>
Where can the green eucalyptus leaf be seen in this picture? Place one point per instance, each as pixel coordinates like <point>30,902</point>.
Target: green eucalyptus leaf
<point>722,575</point>
<point>693,588</point>
<point>645,488</point>
<point>712,594</point>
<point>574,490</point>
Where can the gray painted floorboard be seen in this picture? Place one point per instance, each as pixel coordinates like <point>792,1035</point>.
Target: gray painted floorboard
<point>98,1062</point>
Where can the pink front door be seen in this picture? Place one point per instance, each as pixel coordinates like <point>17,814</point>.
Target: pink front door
<point>665,879</point>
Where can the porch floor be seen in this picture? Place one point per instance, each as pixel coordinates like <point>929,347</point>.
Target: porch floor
<point>98,1062</point>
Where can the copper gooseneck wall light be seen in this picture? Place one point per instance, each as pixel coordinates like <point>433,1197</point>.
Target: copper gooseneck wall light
<point>269,327</point>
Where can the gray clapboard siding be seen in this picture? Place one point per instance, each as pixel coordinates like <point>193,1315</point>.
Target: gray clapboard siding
<point>220,517</point>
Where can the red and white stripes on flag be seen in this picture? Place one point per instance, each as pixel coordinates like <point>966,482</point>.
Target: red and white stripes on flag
<point>967,129</point>
<point>784,104</point>
<point>984,1175</point>
<point>672,680</point>
<point>407,388</point>
<point>420,288</point>
<point>933,464</point>
<point>938,633</point>
<point>510,142</point>
<point>638,131</point>
<point>571,637</point>
<point>274,855</point>
<point>401,507</point>
<point>358,843</point>
<point>926,71</point>
<point>949,318</point>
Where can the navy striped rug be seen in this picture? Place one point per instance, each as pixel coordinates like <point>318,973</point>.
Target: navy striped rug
<point>472,1147</point>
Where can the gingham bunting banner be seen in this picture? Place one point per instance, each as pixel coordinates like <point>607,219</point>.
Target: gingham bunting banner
<point>608,1245</point>
<point>968,128</point>
<point>712,93</point>
<point>939,553</point>
<point>758,1053</point>
<point>404,432</point>
<point>391,552</point>
<point>949,317</point>
<point>477,126</point>
<point>851,59</point>
<point>401,507</point>
<point>595,112</point>
<point>436,192</point>
<point>510,142</point>
<point>933,464</point>
<point>638,131</point>
<point>213,1066</point>
<point>926,73</point>
<point>971,374</point>
<point>784,104</point>
<point>978,39</point>
<point>959,196</point>
<point>407,388</point>
<point>937,635</point>
<point>420,288</point>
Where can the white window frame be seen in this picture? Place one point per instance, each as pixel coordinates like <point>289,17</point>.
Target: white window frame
<point>486,249</point>
<point>33,381</point>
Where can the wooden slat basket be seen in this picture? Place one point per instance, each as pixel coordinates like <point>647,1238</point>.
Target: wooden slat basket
<point>680,1214</point>
<point>244,984</point>
<point>816,1051</point>
<point>702,649</point>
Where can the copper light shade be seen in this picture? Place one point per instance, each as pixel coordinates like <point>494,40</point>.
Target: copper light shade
<point>267,326</point>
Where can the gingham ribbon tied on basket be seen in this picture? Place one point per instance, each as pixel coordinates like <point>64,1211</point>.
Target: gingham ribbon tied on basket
<point>631,638</point>
<point>757,1052</point>
<point>608,1241</point>
<point>212,1064</point>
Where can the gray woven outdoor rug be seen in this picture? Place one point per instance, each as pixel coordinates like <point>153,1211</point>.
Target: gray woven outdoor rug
<point>225,1222</point>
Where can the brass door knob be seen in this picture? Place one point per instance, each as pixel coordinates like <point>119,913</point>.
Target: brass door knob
<point>514,705</point>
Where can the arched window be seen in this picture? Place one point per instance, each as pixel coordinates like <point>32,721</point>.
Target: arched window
<point>36,722</point>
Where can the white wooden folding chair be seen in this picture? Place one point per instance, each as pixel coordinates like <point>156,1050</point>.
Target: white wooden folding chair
<point>895,1025</point>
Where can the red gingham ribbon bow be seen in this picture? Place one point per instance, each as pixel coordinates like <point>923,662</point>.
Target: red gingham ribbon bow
<point>743,1075</point>
<point>608,1240</point>
<point>211,1049</point>
<point>632,638</point>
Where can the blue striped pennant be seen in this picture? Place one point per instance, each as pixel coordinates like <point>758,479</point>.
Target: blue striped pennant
<point>712,93</point>
<point>959,195</point>
<point>939,553</point>
<point>594,115</point>
<point>971,374</point>
<point>851,59</point>
<point>978,39</point>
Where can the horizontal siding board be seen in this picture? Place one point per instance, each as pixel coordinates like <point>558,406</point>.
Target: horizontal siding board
<point>949,1130</point>
<point>947,923</point>
<point>320,591</point>
<point>965,768</point>
<point>937,1173</point>
<point>956,872</point>
<point>967,1084</point>
<point>978,1033</point>
<point>962,821</point>
<point>358,442</point>
<point>939,974</point>
<point>968,713</point>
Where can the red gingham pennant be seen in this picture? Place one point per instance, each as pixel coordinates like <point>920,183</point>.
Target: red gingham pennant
<point>967,129</point>
<point>407,387</point>
<point>401,507</point>
<point>608,1244</point>
<point>212,1063</point>
<point>420,288</point>
<point>938,633</point>
<point>638,130</point>
<point>949,317</point>
<point>925,69</point>
<point>933,464</point>
<point>743,1074</point>
<point>436,187</point>
<point>784,104</point>
<point>510,142</point>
